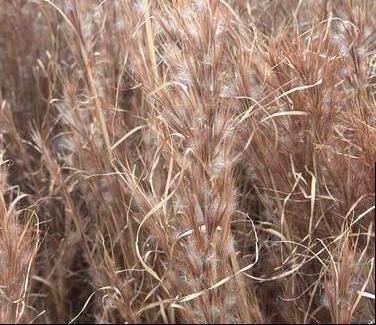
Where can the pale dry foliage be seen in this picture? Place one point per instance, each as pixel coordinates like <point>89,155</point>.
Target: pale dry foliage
<point>176,161</point>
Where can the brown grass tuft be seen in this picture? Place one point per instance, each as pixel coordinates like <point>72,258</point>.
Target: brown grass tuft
<point>181,161</point>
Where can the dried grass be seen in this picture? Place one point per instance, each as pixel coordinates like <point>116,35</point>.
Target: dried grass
<point>183,161</point>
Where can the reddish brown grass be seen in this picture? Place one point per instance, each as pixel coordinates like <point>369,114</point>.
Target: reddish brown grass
<point>184,161</point>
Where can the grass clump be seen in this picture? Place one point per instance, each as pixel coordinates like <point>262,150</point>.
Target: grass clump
<point>187,161</point>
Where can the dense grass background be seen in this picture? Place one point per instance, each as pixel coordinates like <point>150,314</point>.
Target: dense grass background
<point>176,161</point>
